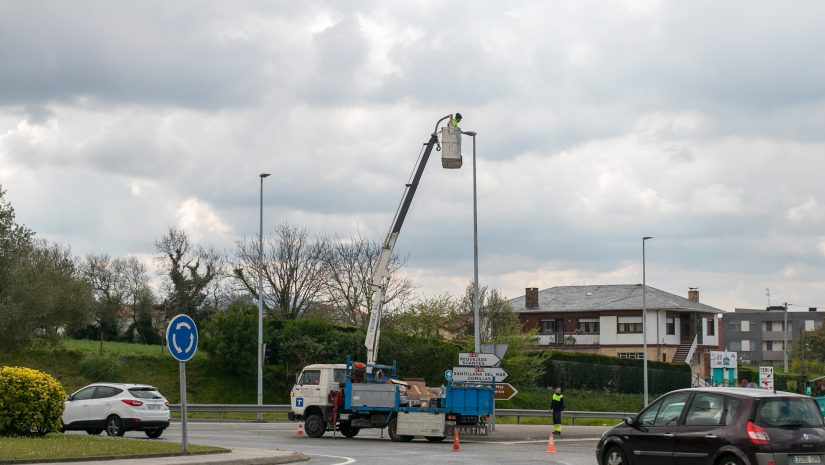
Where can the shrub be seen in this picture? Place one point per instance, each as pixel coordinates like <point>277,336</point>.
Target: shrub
<point>100,368</point>
<point>31,402</point>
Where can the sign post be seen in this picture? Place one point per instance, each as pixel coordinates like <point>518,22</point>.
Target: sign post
<point>470,359</point>
<point>182,339</point>
<point>480,375</point>
<point>766,378</point>
<point>504,391</point>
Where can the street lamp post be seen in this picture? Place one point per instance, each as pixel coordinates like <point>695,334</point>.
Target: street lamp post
<point>476,331</point>
<point>644,316</point>
<point>785,339</point>
<point>261,299</point>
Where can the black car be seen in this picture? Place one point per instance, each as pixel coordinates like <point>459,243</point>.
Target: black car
<point>719,426</point>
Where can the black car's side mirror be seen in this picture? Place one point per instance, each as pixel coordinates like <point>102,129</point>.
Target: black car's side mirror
<point>629,421</point>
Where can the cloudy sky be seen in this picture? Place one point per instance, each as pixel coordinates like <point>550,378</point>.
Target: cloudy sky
<point>699,123</point>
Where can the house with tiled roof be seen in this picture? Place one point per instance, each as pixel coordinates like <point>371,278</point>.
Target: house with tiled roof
<point>607,319</point>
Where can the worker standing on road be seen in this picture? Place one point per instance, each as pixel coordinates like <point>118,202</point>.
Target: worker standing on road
<point>557,406</point>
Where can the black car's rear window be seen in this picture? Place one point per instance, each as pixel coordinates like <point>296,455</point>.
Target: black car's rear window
<point>789,412</point>
<point>145,393</point>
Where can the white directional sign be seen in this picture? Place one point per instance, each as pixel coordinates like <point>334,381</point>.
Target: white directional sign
<point>472,359</point>
<point>478,374</point>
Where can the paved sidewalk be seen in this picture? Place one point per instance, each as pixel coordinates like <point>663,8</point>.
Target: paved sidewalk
<point>239,455</point>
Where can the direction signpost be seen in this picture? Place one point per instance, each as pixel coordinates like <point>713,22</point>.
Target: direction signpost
<point>504,391</point>
<point>482,367</point>
<point>470,359</point>
<point>182,339</point>
<point>478,374</point>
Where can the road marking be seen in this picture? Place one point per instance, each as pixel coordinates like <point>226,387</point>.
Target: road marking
<point>543,441</point>
<point>347,461</point>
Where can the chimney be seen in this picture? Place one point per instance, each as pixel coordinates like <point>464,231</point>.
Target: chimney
<point>531,297</point>
<point>693,294</point>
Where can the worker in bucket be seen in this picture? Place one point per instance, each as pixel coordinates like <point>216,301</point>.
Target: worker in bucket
<point>557,406</point>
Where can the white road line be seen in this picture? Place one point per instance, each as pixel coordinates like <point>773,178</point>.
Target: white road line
<point>543,441</point>
<point>347,461</point>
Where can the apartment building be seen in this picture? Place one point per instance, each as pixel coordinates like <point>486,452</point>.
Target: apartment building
<point>758,334</point>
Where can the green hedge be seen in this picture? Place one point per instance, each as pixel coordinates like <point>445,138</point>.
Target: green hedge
<point>31,402</point>
<point>792,382</point>
<point>604,373</point>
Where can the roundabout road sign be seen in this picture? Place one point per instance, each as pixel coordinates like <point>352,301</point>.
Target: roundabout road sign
<point>182,337</point>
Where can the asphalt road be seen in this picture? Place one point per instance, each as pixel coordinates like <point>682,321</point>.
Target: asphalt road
<point>509,444</point>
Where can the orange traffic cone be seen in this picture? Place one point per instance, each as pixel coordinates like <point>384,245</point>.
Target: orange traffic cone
<point>551,446</point>
<point>300,429</point>
<point>456,446</point>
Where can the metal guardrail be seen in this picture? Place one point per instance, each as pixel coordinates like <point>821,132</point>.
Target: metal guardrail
<point>518,413</point>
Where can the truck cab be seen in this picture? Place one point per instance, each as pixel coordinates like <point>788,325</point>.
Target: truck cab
<point>311,394</point>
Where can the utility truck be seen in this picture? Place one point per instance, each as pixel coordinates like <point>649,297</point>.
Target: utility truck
<point>348,397</point>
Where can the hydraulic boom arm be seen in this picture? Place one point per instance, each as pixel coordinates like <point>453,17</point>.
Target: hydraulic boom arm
<point>451,158</point>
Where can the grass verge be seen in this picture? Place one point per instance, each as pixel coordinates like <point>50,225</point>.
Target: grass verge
<point>58,446</point>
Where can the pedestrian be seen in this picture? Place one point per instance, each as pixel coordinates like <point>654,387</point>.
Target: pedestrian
<point>557,406</point>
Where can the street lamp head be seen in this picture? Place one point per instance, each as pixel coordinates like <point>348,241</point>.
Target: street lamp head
<point>469,133</point>
<point>263,175</point>
<point>647,237</point>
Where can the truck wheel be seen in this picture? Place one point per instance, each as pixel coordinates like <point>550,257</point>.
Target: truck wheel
<point>314,426</point>
<point>435,438</point>
<point>391,429</point>
<point>348,430</point>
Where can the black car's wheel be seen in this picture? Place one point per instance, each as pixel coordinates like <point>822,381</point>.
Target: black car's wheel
<point>435,438</point>
<point>154,433</point>
<point>392,428</point>
<point>94,432</point>
<point>348,430</point>
<point>114,426</point>
<point>314,426</point>
<point>729,460</point>
<point>615,456</point>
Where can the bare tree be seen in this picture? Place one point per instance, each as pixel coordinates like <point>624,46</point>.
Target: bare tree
<point>134,280</point>
<point>108,292</point>
<point>294,271</point>
<point>190,270</point>
<point>350,265</point>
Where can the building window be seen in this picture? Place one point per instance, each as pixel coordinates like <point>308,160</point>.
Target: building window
<point>810,325</point>
<point>629,325</point>
<point>770,346</point>
<point>670,326</point>
<point>774,326</point>
<point>634,355</point>
<point>630,328</point>
<point>589,325</point>
<point>746,326</point>
<point>549,326</point>
<point>746,345</point>
<point>735,346</point>
<point>711,327</point>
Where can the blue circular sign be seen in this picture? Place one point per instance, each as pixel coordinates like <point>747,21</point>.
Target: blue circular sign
<point>448,375</point>
<point>182,337</point>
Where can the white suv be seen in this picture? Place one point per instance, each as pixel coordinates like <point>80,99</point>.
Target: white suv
<point>117,408</point>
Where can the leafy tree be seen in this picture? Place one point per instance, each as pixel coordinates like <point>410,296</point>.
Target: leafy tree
<point>228,338</point>
<point>45,295</point>
<point>297,343</point>
<point>294,270</point>
<point>808,354</point>
<point>190,270</point>
<point>427,318</point>
<point>524,360</point>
